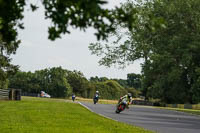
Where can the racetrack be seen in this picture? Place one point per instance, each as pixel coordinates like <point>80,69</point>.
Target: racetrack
<point>159,120</point>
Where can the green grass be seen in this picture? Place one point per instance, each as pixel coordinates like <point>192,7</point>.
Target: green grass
<point>40,115</point>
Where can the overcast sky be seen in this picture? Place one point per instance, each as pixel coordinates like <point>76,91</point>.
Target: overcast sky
<point>71,52</point>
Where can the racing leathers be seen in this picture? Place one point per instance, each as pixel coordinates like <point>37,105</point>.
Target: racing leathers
<point>125,100</point>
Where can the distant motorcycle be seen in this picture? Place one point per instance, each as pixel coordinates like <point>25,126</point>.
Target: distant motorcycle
<point>120,107</point>
<point>96,98</point>
<point>73,97</point>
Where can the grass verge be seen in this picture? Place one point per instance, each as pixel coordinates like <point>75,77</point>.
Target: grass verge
<point>41,115</point>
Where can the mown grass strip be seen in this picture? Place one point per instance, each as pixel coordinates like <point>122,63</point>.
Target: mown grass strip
<point>38,115</point>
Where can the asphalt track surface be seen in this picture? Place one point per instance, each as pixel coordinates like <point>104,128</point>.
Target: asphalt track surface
<point>159,120</point>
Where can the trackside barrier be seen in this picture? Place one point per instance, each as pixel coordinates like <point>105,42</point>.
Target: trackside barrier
<point>182,106</point>
<point>142,102</point>
<point>187,106</point>
<point>196,106</point>
<point>10,94</point>
<point>173,105</point>
<point>4,94</point>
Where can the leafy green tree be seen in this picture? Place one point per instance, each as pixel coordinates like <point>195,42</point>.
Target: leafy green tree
<point>10,16</point>
<point>4,84</point>
<point>165,35</point>
<point>98,79</point>
<point>52,81</point>
<point>25,81</point>
<point>78,14</point>
<point>134,80</point>
<point>61,83</point>
<point>43,78</point>
<point>174,56</point>
<point>58,84</point>
<point>78,82</point>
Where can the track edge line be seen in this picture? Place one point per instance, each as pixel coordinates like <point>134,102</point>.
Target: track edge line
<point>97,113</point>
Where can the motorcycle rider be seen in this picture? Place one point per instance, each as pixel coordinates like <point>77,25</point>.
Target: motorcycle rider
<point>96,96</point>
<point>127,99</point>
<point>73,97</point>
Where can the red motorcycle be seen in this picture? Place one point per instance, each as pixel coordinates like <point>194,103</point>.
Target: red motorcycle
<point>120,107</point>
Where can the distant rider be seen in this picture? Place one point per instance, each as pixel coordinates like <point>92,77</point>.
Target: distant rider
<point>127,99</point>
<point>96,96</point>
<point>73,97</point>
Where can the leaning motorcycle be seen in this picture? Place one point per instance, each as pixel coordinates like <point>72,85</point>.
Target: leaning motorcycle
<point>120,107</point>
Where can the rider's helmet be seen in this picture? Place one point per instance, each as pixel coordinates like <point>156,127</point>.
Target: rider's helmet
<point>97,92</point>
<point>129,95</point>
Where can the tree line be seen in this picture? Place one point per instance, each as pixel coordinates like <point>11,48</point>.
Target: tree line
<point>60,83</point>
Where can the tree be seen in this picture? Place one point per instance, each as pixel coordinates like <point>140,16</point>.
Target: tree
<point>78,14</point>
<point>134,80</point>
<point>98,79</point>
<point>25,81</point>
<point>78,82</point>
<point>58,83</point>
<point>165,35</point>
<point>10,16</point>
<point>62,83</point>
<point>173,59</point>
<point>52,81</point>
